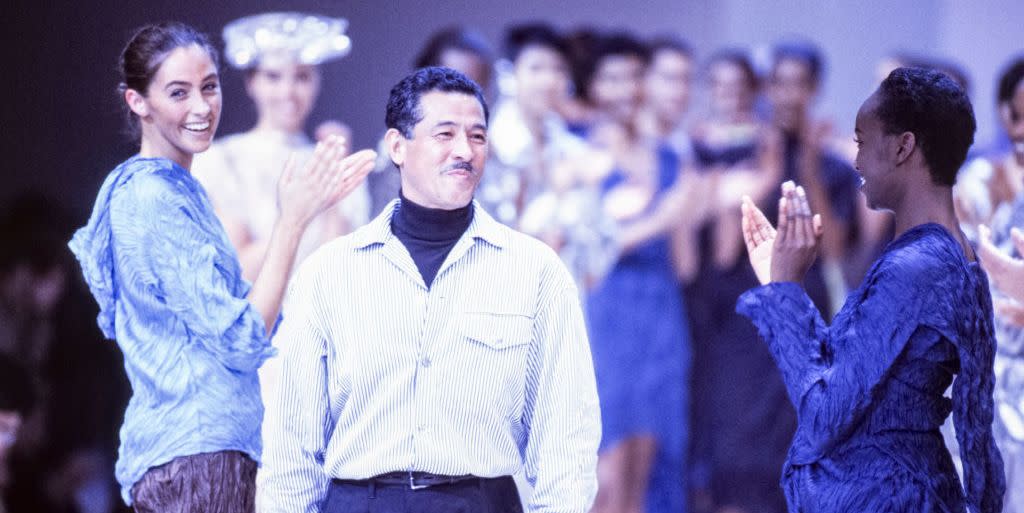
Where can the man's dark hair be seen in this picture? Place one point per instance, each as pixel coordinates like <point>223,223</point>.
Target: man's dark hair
<point>670,43</point>
<point>621,44</point>
<point>932,106</point>
<point>805,53</point>
<point>523,36</point>
<point>1011,77</point>
<point>404,103</point>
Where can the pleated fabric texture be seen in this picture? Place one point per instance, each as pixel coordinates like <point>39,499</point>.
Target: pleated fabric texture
<point>170,291</point>
<point>869,388</point>
<point>218,482</point>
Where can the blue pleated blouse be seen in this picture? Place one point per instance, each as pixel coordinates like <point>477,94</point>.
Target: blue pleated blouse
<point>868,389</point>
<point>170,292</point>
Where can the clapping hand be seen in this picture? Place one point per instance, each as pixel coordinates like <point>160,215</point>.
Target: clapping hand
<point>759,235</point>
<point>324,180</point>
<point>787,253</point>
<point>1006,273</point>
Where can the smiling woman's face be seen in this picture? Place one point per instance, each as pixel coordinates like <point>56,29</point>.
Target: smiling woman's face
<point>875,152</point>
<point>181,107</point>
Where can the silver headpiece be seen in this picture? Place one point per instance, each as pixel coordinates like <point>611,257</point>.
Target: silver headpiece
<point>308,38</point>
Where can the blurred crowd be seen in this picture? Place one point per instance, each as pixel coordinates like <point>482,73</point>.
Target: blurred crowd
<point>599,149</point>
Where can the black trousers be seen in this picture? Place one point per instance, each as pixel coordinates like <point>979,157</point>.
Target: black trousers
<point>498,495</point>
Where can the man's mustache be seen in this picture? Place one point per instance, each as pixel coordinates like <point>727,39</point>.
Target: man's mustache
<point>462,166</point>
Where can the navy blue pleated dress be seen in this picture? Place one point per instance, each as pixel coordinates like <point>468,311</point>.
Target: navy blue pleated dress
<point>868,389</point>
<point>641,347</point>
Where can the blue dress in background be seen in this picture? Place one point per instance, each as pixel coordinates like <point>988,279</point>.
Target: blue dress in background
<point>869,388</point>
<point>741,421</point>
<point>641,348</point>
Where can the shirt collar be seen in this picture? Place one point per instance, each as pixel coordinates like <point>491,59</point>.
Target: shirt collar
<point>483,227</point>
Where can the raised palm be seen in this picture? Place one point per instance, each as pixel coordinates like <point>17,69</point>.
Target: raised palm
<point>759,236</point>
<point>787,253</point>
<point>304,192</point>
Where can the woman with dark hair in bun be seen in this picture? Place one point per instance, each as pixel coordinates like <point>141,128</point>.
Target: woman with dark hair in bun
<point>169,284</point>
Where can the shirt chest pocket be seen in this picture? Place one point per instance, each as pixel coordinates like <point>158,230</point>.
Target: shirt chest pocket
<point>496,348</point>
<point>497,331</point>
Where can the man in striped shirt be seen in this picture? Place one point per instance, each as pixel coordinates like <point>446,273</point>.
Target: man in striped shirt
<point>434,352</point>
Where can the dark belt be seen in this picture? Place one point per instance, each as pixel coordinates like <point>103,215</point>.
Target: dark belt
<point>414,480</point>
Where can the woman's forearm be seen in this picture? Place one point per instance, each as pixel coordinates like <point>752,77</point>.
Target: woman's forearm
<point>269,287</point>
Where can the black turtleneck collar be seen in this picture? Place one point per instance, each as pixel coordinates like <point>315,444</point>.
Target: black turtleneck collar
<point>430,224</point>
<point>429,233</point>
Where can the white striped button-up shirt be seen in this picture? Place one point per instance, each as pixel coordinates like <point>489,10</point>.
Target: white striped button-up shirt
<point>486,372</point>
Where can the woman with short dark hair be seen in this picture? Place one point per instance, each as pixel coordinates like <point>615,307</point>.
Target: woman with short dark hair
<point>868,389</point>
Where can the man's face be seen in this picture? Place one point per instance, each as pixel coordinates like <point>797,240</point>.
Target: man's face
<point>667,85</point>
<point>791,91</point>
<point>442,163</point>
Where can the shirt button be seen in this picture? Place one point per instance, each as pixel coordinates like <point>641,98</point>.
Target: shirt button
<point>425,362</point>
